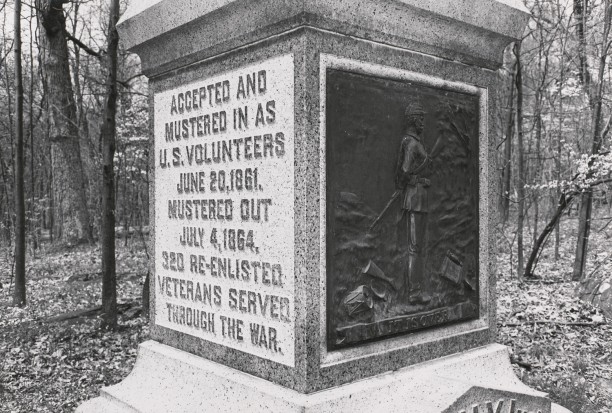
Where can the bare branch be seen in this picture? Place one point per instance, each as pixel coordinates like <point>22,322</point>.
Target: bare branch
<point>126,83</point>
<point>84,46</point>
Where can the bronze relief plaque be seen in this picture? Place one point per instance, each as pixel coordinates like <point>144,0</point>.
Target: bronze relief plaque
<point>402,207</point>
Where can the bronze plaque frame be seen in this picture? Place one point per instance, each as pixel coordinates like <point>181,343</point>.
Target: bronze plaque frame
<point>372,248</point>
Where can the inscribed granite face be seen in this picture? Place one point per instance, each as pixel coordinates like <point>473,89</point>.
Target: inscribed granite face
<point>224,209</point>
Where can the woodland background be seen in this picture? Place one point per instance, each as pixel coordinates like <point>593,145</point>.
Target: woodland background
<point>74,169</point>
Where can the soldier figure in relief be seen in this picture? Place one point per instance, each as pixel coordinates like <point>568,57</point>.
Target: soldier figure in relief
<point>413,165</point>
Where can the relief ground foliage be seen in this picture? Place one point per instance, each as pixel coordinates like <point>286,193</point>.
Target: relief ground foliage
<point>558,343</point>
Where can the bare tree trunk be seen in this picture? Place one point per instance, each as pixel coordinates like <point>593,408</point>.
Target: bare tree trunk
<point>124,197</point>
<point>521,170</point>
<point>580,16</point>
<point>562,205</point>
<point>70,201</point>
<point>559,150</point>
<point>507,167</point>
<point>107,137</point>
<point>543,69</point>
<point>5,186</point>
<point>19,294</point>
<point>595,101</point>
<point>8,178</point>
<point>585,199</point>
<point>538,138</point>
<point>51,202</point>
<point>33,223</point>
<point>90,158</point>
<point>76,66</point>
<point>584,230</point>
<point>536,216</point>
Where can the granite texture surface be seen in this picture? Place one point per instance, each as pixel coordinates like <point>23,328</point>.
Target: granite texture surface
<point>468,381</point>
<point>475,13</point>
<point>222,354</point>
<point>242,179</point>
<point>470,31</point>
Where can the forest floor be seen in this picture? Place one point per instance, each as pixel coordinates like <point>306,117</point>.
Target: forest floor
<point>53,366</point>
<point>558,344</point>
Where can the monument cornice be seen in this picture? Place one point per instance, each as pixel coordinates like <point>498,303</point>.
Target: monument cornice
<point>171,33</point>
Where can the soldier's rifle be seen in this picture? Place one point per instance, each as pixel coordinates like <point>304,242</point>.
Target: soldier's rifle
<point>434,152</point>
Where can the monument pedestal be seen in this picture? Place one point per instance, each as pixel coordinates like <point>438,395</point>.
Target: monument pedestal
<point>167,380</point>
<point>321,199</point>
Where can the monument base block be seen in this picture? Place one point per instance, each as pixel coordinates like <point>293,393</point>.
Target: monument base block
<point>165,380</point>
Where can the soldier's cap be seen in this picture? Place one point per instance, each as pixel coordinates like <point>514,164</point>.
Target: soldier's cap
<point>414,109</point>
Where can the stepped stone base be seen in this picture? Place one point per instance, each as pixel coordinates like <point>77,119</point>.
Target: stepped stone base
<point>165,380</point>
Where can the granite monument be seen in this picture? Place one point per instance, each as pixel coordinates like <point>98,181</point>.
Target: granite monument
<point>321,206</point>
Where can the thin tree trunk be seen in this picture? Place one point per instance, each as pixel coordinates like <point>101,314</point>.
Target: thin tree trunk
<point>562,205</point>
<point>50,194</point>
<point>76,66</point>
<point>561,13</point>
<point>19,296</point>
<point>585,199</point>
<point>538,161</point>
<point>543,53</point>
<point>580,16</point>
<point>536,216</point>
<point>107,137</point>
<point>33,223</point>
<point>124,197</point>
<point>595,100</point>
<point>9,179</point>
<point>507,168</point>
<point>538,138</point>
<point>5,186</point>
<point>521,172</point>
<point>559,151</point>
<point>584,230</point>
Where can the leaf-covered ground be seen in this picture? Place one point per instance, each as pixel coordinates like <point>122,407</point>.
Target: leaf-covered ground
<point>559,344</point>
<point>54,366</point>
